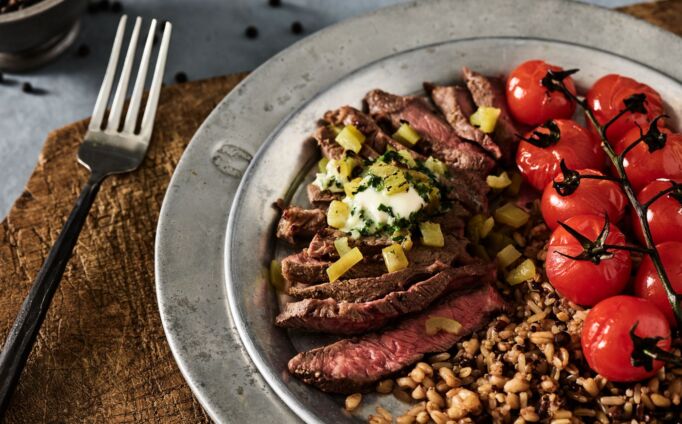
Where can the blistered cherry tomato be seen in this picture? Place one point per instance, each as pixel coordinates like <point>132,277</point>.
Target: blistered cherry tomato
<point>606,341</point>
<point>582,281</point>
<point>595,197</point>
<point>573,144</point>
<point>530,102</point>
<point>643,166</point>
<point>647,284</point>
<point>664,214</point>
<point>605,99</point>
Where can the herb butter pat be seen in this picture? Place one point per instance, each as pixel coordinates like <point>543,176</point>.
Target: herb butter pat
<point>372,210</point>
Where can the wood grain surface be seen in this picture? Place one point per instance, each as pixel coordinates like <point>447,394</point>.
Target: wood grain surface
<point>102,355</point>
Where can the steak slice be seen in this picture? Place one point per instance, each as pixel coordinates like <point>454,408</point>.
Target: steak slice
<point>350,365</point>
<point>490,92</point>
<point>447,99</point>
<point>324,136</point>
<point>298,223</point>
<point>444,142</point>
<point>334,317</point>
<point>301,268</point>
<point>376,137</point>
<point>321,198</point>
<point>322,244</point>
<point>367,289</point>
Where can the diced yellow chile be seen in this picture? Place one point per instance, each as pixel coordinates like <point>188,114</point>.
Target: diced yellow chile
<point>381,169</point>
<point>512,215</point>
<point>407,158</point>
<point>322,165</point>
<point>345,262</point>
<point>498,181</point>
<point>487,226</point>
<point>276,277</point>
<point>350,138</point>
<point>351,187</point>
<point>507,256</point>
<point>341,245</point>
<point>406,134</point>
<point>407,243</point>
<point>346,166</point>
<point>396,183</point>
<point>475,227</point>
<point>524,272</point>
<point>485,118</point>
<point>515,185</point>
<point>337,214</point>
<point>435,166</point>
<point>435,324</point>
<point>431,234</point>
<point>394,257</point>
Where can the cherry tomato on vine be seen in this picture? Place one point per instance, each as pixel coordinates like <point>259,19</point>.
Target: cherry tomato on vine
<point>606,97</point>
<point>585,282</point>
<point>664,215</point>
<point>538,157</point>
<point>648,285</point>
<point>606,341</point>
<point>530,102</point>
<point>592,196</point>
<point>643,166</point>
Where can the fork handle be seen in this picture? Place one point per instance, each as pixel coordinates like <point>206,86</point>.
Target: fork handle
<point>23,333</point>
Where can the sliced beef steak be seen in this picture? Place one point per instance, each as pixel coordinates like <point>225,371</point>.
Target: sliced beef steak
<point>447,100</point>
<point>301,268</point>
<point>324,136</point>
<point>371,288</point>
<point>298,223</point>
<point>353,364</point>
<point>334,317</point>
<point>490,92</point>
<point>322,245</point>
<point>442,139</point>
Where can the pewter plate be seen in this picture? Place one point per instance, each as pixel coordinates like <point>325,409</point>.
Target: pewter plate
<point>215,302</point>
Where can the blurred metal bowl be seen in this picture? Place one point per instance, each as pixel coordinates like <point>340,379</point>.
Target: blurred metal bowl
<point>35,35</point>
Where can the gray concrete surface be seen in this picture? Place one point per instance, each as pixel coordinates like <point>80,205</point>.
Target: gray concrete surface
<point>208,40</point>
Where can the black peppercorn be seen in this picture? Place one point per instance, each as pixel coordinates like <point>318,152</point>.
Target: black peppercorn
<point>83,50</point>
<point>2,78</point>
<point>27,87</point>
<point>180,77</point>
<point>275,3</point>
<point>296,27</point>
<point>116,7</point>
<point>251,32</point>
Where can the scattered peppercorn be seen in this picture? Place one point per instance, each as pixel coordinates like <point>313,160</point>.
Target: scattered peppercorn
<point>275,3</point>
<point>103,5</point>
<point>83,50</point>
<point>297,27</point>
<point>2,78</point>
<point>116,7</point>
<point>251,32</point>
<point>27,87</point>
<point>180,77</point>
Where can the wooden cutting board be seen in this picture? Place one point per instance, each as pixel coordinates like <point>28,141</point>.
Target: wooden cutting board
<point>102,355</point>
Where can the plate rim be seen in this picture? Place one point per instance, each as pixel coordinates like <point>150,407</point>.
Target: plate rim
<point>174,196</point>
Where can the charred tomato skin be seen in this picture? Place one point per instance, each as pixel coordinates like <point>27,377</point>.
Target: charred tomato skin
<point>606,339</point>
<point>642,166</point>
<point>664,215</point>
<point>647,284</point>
<point>582,281</point>
<point>540,165</point>
<point>605,99</point>
<point>592,196</point>
<point>530,102</point>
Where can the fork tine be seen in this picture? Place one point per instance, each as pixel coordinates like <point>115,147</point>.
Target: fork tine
<point>136,99</point>
<point>107,82</point>
<point>155,90</point>
<point>119,98</point>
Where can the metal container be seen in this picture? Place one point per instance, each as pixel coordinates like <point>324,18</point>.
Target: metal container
<point>35,35</point>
